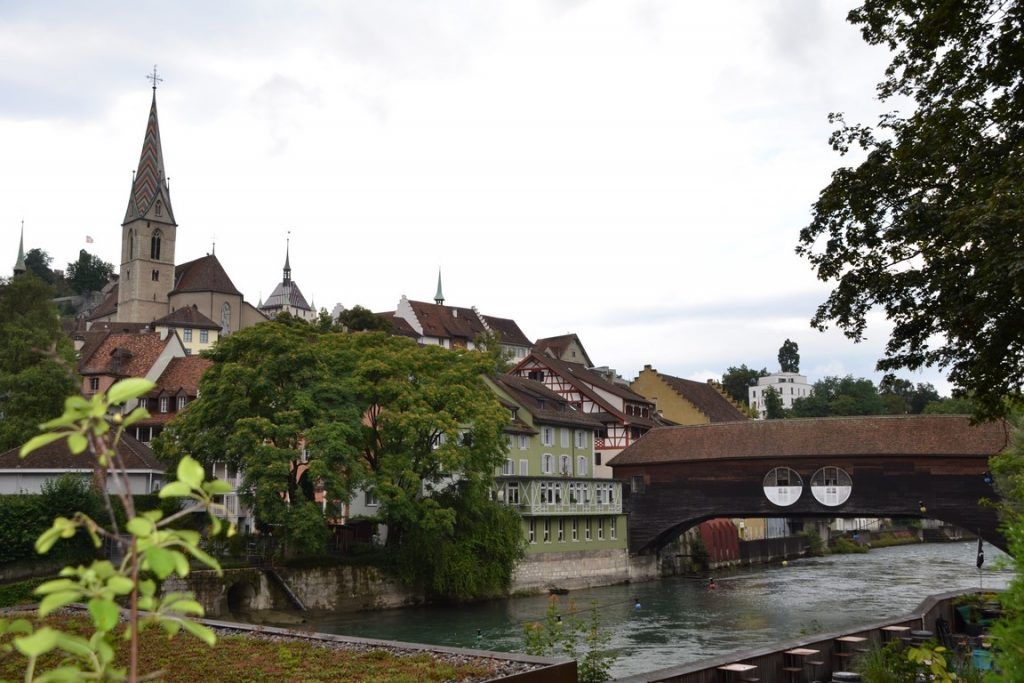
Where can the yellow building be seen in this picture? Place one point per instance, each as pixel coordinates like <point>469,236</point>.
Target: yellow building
<point>685,401</point>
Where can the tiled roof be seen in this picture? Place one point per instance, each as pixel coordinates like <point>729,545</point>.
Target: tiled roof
<point>183,373</point>
<point>286,294</point>
<point>705,398</point>
<point>56,456</point>
<point>558,345</point>
<point>895,435</point>
<point>588,376</point>
<point>508,330</point>
<point>545,405</point>
<point>107,306</point>
<point>399,326</point>
<point>187,316</point>
<point>123,354</point>
<point>149,183</point>
<point>204,274</point>
<point>439,320</point>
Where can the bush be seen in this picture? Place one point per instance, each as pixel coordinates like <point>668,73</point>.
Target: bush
<point>844,546</point>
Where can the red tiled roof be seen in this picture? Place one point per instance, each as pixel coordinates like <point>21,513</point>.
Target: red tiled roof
<point>56,456</point>
<point>445,322</point>
<point>182,373</point>
<point>545,405</point>
<point>123,354</point>
<point>896,435</point>
<point>705,398</point>
<point>187,316</point>
<point>399,326</point>
<point>508,330</point>
<point>558,345</point>
<point>204,274</point>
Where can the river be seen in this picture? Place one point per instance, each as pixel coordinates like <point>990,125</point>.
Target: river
<point>680,620</point>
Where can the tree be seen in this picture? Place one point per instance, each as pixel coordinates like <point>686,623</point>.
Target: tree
<point>833,396</point>
<point>903,396</point>
<point>951,406</point>
<point>89,273</point>
<point>38,262</point>
<point>1008,474</point>
<point>929,225</point>
<point>789,357</point>
<point>737,381</point>
<point>773,405</point>
<point>36,359</point>
<point>359,319</point>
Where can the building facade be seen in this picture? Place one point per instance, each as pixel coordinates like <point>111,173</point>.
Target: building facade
<point>788,385</point>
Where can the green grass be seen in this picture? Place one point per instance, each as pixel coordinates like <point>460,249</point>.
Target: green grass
<point>243,659</point>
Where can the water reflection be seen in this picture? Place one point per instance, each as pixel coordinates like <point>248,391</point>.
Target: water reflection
<point>681,620</point>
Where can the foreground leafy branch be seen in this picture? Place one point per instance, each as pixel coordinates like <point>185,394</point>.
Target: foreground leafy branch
<point>152,551</point>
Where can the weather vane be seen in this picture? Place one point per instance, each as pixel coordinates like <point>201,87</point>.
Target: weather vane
<point>154,77</point>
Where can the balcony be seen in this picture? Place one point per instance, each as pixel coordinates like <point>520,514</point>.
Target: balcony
<point>560,495</point>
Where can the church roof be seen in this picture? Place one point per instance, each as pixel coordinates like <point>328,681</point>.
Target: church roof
<point>204,274</point>
<point>286,294</point>
<point>150,183</point>
<point>19,265</point>
<point>187,316</point>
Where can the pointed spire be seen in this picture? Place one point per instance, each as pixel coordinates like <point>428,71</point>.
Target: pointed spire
<point>287,265</point>
<point>149,184</point>
<point>19,266</point>
<point>439,296</point>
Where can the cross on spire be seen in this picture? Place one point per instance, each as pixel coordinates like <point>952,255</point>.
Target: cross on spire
<point>155,78</point>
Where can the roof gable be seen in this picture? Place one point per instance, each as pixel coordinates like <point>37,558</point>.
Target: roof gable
<point>704,397</point>
<point>123,354</point>
<point>186,316</point>
<point>204,274</point>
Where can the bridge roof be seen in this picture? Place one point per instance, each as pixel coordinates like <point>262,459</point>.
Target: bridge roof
<point>891,435</point>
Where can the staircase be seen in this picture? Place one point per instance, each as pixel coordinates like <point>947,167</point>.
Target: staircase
<point>279,580</point>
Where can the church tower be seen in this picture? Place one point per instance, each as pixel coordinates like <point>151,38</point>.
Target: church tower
<point>147,234</point>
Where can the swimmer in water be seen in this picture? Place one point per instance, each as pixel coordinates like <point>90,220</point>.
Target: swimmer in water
<point>636,603</point>
<point>711,584</point>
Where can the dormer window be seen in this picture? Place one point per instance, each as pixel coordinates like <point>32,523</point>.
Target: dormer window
<point>165,404</point>
<point>182,400</point>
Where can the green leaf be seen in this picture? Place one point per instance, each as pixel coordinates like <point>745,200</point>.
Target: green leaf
<point>76,402</point>
<point>134,416</point>
<point>55,585</point>
<point>55,601</point>
<point>46,540</point>
<point>147,587</point>
<point>40,441</point>
<point>39,643</point>
<point>77,443</point>
<point>201,632</point>
<point>121,585</point>
<point>127,389</point>
<point>217,486</point>
<point>160,561</point>
<point>176,489</point>
<point>62,674</point>
<point>187,607</point>
<point>75,645</point>
<point>141,527</point>
<point>104,613</point>
<point>190,472</point>
<point>20,626</point>
<point>181,565</point>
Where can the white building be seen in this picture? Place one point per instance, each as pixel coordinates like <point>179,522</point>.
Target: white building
<point>788,385</point>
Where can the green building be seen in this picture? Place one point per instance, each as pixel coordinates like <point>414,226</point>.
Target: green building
<point>548,477</point>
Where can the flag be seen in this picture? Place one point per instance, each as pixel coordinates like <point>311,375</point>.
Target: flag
<point>88,239</point>
<point>981,553</point>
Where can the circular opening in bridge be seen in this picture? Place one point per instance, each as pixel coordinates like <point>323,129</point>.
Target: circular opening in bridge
<point>831,486</point>
<point>782,486</point>
<point>240,597</point>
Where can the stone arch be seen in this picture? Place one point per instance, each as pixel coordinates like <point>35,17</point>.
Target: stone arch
<point>240,597</point>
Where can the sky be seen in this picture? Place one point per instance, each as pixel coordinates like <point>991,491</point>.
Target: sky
<point>636,172</point>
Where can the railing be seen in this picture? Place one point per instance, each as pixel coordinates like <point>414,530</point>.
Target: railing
<point>561,496</point>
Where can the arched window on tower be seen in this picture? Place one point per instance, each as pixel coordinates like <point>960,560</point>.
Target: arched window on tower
<point>225,319</point>
<point>154,245</point>
<point>131,245</point>
<point>159,208</point>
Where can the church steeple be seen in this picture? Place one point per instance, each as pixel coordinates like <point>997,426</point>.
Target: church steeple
<point>287,266</point>
<point>439,295</point>
<point>150,196</point>
<point>19,265</point>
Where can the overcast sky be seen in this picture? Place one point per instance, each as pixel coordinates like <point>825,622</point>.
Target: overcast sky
<point>634,172</point>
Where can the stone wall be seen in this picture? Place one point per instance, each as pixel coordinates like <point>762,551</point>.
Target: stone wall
<point>540,572</point>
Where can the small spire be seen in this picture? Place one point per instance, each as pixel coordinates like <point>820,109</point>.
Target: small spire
<point>19,266</point>
<point>287,265</point>
<point>439,296</point>
<point>154,78</point>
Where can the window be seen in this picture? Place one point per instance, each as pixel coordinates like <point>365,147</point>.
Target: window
<point>204,336</point>
<point>581,465</point>
<point>154,246</point>
<point>536,375</point>
<point>165,402</point>
<point>512,493</point>
<point>188,334</point>
<point>182,400</point>
<point>225,318</point>
<point>94,384</point>
<point>533,531</point>
<point>831,486</point>
<point>564,466</point>
<point>159,208</point>
<point>155,276</point>
<point>581,438</point>
<point>597,459</point>
<point>613,528</point>
<point>586,529</point>
<point>561,530</point>
<point>565,437</point>
<point>131,244</point>
<point>636,483</point>
<point>600,529</point>
<point>547,436</point>
<point>524,468</point>
<point>575,529</point>
<point>524,442</point>
<point>371,499</point>
<point>509,467</point>
<point>547,531</point>
<point>547,462</point>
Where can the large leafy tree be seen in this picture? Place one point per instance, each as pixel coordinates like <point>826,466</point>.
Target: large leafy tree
<point>89,273</point>
<point>36,359</point>
<point>929,225</point>
<point>360,319</point>
<point>847,395</point>
<point>903,396</point>
<point>774,410</point>
<point>737,380</point>
<point>789,356</point>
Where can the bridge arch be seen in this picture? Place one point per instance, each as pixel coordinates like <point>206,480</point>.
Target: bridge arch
<point>676,477</point>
